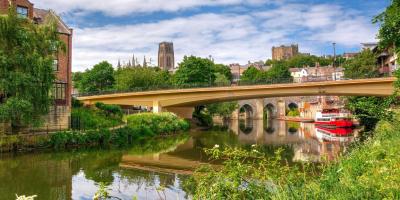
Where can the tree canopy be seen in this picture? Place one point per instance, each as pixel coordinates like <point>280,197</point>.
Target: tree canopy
<point>129,78</point>
<point>99,78</point>
<point>26,68</point>
<point>304,61</point>
<point>389,32</point>
<point>194,70</point>
<point>363,65</point>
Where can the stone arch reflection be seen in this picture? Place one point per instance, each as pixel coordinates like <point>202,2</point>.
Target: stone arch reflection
<point>293,128</point>
<point>269,127</point>
<point>246,125</point>
<point>246,112</point>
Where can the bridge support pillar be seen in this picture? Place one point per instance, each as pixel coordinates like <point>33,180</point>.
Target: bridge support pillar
<point>157,107</point>
<point>259,110</point>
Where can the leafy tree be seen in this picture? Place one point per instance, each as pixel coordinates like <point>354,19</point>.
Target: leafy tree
<point>129,78</point>
<point>251,74</point>
<point>277,72</point>
<point>303,61</point>
<point>99,78</point>
<point>389,32</point>
<point>363,65</point>
<point>26,68</point>
<point>224,109</point>
<point>222,69</point>
<point>221,80</point>
<point>194,70</point>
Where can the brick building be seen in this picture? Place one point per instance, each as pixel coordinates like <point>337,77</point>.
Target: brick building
<point>59,115</point>
<point>285,52</point>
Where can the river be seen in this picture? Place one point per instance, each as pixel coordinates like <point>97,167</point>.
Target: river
<point>157,170</point>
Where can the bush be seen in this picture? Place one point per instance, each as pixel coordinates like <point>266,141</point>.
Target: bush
<point>110,110</point>
<point>151,124</point>
<point>87,118</point>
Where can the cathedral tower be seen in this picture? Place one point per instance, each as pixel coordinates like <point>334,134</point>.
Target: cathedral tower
<point>166,59</point>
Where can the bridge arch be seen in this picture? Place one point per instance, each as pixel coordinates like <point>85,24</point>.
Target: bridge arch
<point>270,111</point>
<point>246,111</point>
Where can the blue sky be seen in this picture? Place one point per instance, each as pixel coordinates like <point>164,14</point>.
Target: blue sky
<point>232,31</point>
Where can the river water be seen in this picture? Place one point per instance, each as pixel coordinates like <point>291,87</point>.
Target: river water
<point>156,170</point>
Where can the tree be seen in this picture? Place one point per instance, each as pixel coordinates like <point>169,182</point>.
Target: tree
<point>99,78</point>
<point>26,68</point>
<point>389,32</point>
<point>221,80</point>
<point>194,70</point>
<point>224,109</point>
<point>251,74</point>
<point>222,69</point>
<point>278,72</point>
<point>129,78</point>
<point>363,65</point>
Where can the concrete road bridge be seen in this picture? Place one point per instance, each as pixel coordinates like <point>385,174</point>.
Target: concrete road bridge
<point>183,101</point>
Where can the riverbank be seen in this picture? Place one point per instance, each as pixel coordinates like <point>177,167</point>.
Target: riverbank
<point>369,170</point>
<point>138,127</point>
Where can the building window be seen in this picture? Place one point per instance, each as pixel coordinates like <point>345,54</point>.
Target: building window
<point>59,91</point>
<point>55,65</point>
<point>22,11</point>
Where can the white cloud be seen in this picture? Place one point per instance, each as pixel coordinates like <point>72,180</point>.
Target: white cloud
<point>125,7</point>
<point>229,38</point>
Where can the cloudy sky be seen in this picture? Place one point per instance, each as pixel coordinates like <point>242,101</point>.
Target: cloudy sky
<point>231,31</point>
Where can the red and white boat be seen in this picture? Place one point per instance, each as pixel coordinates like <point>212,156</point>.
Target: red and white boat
<point>334,135</point>
<point>333,118</point>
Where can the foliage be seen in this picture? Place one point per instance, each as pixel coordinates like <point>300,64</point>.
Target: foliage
<point>221,80</point>
<point>157,124</point>
<point>251,74</point>
<point>370,110</point>
<point>203,116</point>
<point>370,171</point>
<point>194,70</point>
<point>389,32</point>
<point>246,174</point>
<point>26,68</point>
<point>99,78</point>
<point>102,193</point>
<point>223,70</point>
<point>277,73</point>
<point>23,197</point>
<point>88,118</point>
<point>113,111</point>
<point>293,113</point>
<point>362,65</point>
<point>224,109</point>
<point>301,60</point>
<point>130,78</point>
<point>76,103</point>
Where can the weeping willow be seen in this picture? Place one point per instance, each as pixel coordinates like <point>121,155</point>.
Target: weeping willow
<point>27,52</point>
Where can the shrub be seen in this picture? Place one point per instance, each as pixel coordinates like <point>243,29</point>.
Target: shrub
<point>151,124</point>
<point>87,118</point>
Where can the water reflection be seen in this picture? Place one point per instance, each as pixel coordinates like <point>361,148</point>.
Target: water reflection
<point>163,163</point>
<point>309,142</point>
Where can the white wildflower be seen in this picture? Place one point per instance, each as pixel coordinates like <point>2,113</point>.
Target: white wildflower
<point>216,146</point>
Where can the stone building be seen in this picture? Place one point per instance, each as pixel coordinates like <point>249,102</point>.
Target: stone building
<point>166,57</point>
<point>285,52</point>
<point>59,115</point>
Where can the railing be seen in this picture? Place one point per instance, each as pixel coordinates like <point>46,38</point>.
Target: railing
<point>239,83</point>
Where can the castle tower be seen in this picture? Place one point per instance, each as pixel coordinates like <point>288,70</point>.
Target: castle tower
<point>166,58</point>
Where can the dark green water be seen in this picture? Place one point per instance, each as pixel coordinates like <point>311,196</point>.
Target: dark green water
<point>154,170</point>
